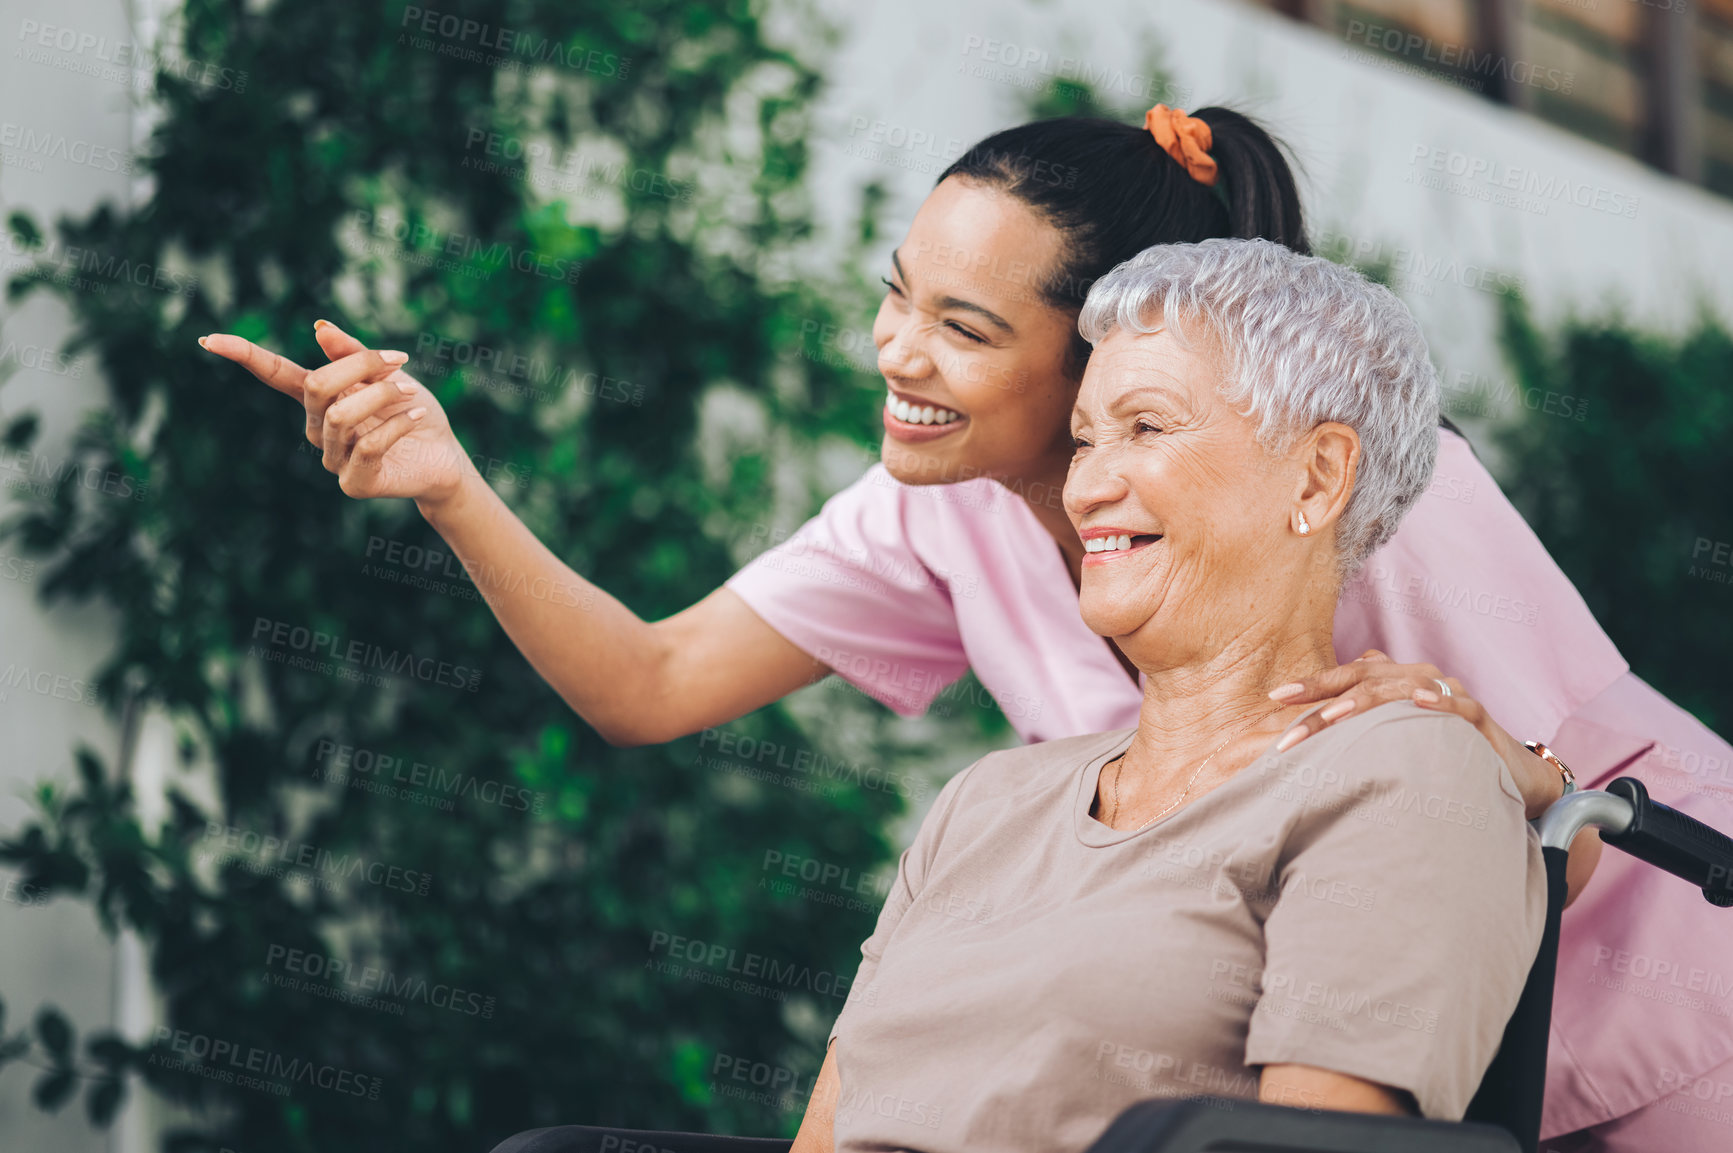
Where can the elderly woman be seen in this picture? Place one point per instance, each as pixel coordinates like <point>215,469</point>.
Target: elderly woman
<point>1192,906</point>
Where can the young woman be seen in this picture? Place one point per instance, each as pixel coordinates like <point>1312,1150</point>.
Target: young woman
<point>956,552</point>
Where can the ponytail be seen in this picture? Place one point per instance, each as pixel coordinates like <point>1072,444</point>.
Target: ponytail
<point>1257,184</point>
<point>1112,191</point>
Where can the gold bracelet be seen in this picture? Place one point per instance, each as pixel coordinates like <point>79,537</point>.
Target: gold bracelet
<point>1551,758</point>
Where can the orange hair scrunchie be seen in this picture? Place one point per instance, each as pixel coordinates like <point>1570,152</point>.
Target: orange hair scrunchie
<point>1185,138</point>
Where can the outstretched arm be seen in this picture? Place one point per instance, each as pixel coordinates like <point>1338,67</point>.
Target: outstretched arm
<point>385,435</point>
<point>638,683</point>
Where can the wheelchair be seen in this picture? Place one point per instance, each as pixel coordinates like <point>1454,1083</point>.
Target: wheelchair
<point>1505,1113</point>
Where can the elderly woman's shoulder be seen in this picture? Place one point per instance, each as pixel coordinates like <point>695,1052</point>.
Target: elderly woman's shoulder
<point>1400,745</point>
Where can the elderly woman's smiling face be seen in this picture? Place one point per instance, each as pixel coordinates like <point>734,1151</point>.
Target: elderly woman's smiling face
<point>1162,458</point>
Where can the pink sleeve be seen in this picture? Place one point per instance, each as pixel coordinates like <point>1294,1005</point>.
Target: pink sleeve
<point>851,589</point>
<point>1467,586</point>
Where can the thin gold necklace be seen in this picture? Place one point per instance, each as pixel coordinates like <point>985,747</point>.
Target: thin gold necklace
<point>1119,770</point>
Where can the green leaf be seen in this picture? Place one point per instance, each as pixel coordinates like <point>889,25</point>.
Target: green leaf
<point>52,1089</point>
<point>55,1034</point>
<point>21,431</point>
<point>103,1101</point>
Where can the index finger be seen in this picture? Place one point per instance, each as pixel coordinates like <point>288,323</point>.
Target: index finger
<point>280,373</point>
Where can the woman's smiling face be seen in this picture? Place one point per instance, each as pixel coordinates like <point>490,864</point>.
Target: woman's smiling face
<point>974,356</point>
<point>1164,465</point>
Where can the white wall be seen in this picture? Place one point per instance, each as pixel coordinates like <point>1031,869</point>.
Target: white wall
<point>64,137</point>
<point>69,124</point>
<point>940,76</point>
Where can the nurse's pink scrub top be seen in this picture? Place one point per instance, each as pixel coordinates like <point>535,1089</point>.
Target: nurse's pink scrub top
<point>902,588</point>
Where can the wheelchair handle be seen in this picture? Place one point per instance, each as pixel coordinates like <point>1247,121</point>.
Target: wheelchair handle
<point>1670,840</point>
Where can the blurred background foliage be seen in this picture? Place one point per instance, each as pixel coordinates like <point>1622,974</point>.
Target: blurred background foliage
<point>357,153</point>
<point>357,178</point>
<point>1634,499</point>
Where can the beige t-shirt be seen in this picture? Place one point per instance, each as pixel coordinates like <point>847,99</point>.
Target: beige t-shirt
<point>1368,902</point>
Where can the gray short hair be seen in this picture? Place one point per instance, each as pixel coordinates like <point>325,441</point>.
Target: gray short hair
<point>1305,341</point>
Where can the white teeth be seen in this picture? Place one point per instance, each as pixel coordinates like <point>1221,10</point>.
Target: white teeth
<point>919,414</point>
<point>1108,543</point>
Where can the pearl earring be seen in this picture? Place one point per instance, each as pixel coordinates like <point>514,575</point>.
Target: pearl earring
<point>1304,527</point>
